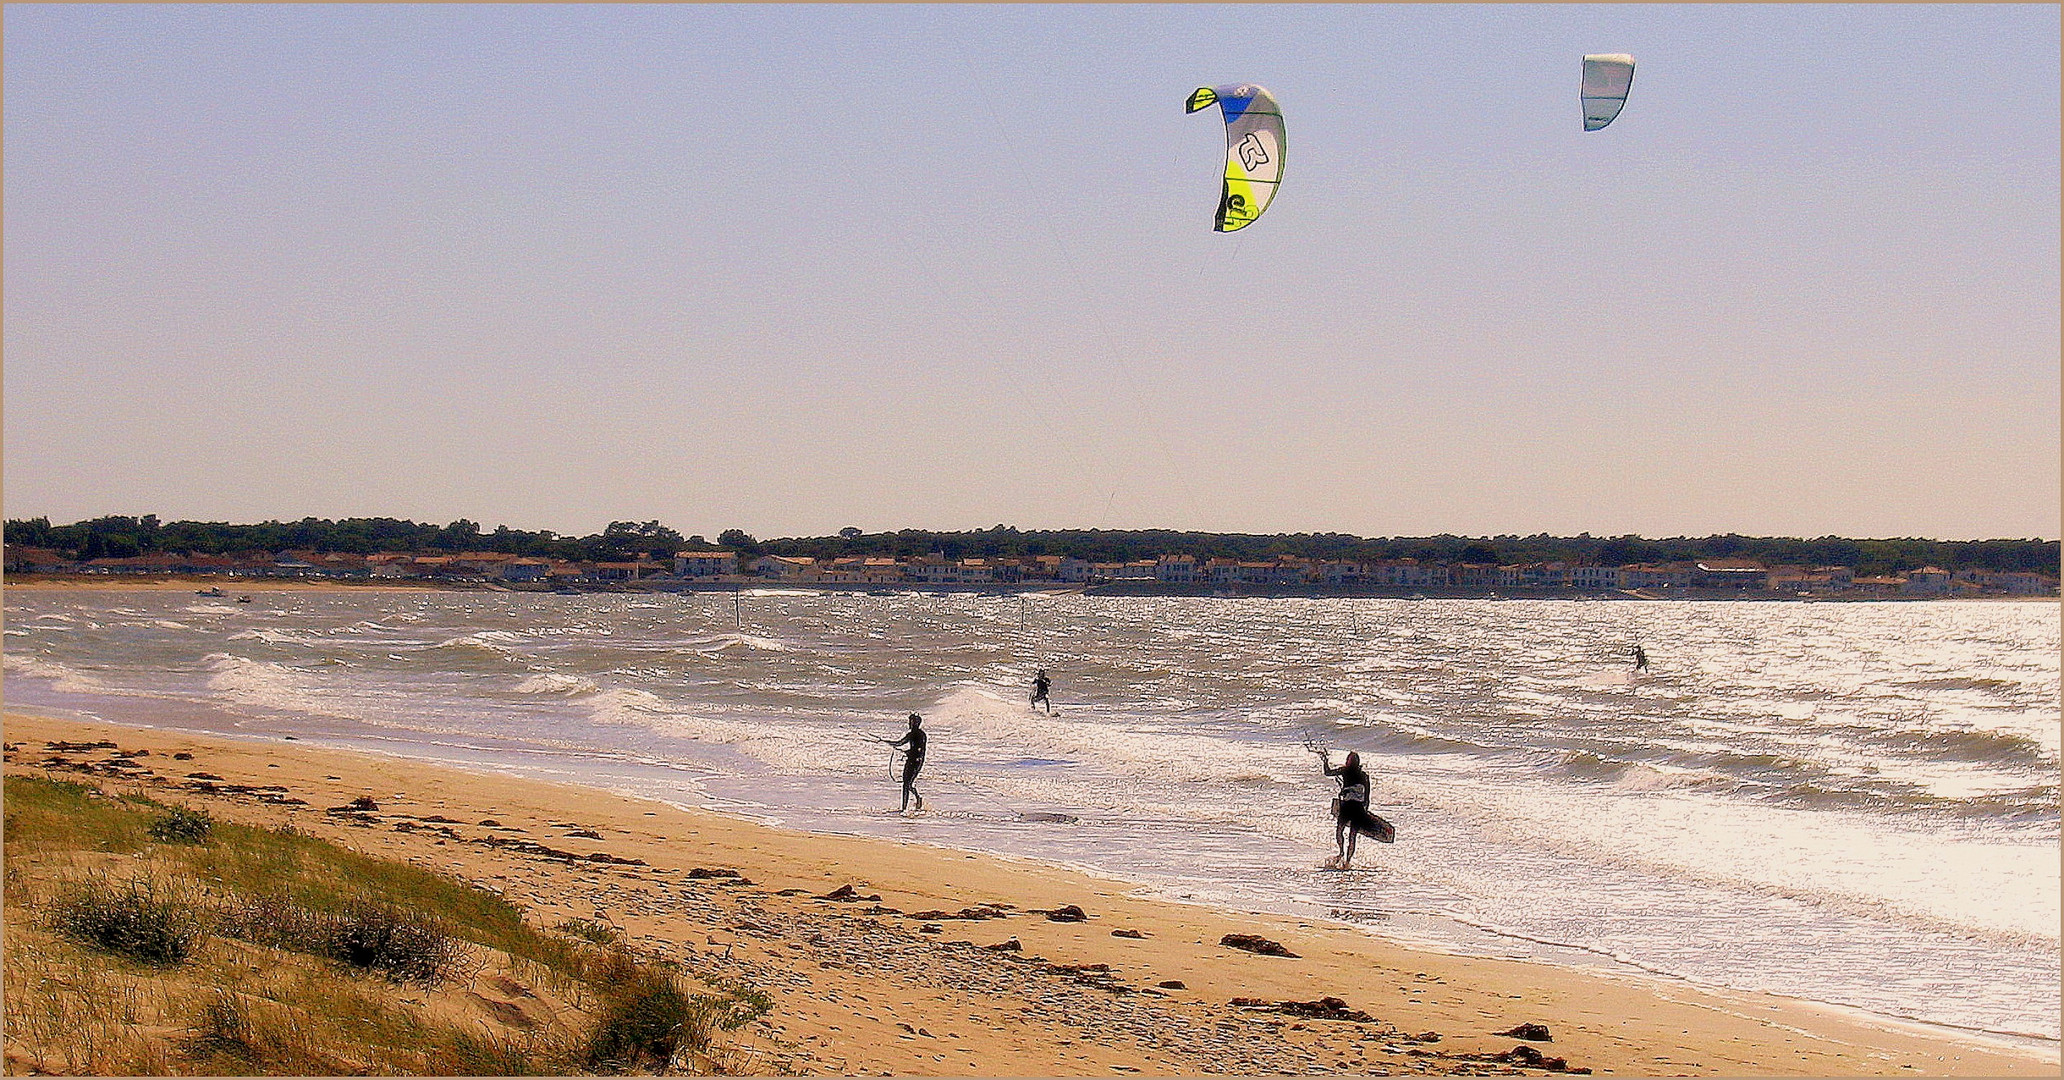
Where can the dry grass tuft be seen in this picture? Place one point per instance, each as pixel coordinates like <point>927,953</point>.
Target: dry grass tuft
<point>142,919</point>
<point>307,959</point>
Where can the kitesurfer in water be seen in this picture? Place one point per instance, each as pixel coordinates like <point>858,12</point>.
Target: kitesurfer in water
<point>1040,684</point>
<point>1640,659</point>
<point>1351,810</point>
<point>913,747</point>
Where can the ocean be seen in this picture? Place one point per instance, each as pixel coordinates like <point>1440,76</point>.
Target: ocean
<point>1852,803</point>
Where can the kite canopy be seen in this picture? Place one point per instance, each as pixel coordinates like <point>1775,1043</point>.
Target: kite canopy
<point>1254,150</point>
<point>1607,76</point>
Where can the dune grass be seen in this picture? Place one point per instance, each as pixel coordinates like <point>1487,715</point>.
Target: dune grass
<point>147,939</point>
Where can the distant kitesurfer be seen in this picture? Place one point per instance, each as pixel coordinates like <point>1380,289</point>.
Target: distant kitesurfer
<point>913,745</point>
<point>1040,684</point>
<point>1351,815</point>
<point>1640,659</point>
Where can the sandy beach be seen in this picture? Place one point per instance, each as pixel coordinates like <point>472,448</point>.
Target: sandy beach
<point>888,958</point>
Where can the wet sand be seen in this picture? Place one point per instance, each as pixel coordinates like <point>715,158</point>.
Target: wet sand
<point>888,958</point>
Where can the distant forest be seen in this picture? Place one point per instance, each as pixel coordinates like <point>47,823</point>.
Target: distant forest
<point>121,537</point>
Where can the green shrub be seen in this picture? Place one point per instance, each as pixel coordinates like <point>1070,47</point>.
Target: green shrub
<point>600,933</point>
<point>141,920</point>
<point>366,934</point>
<point>398,944</point>
<point>223,1027</point>
<point>179,825</point>
<point>646,1024</point>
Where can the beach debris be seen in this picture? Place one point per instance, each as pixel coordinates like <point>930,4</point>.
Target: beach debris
<point>846,893</point>
<point>588,834</point>
<point>1536,1032</point>
<point>702,872</point>
<point>182,756</point>
<point>490,823</point>
<point>1134,934</point>
<point>531,847</point>
<point>1326,1008</point>
<point>1256,944</point>
<point>1013,945</point>
<point>132,753</point>
<point>1172,984</point>
<point>931,928</point>
<point>982,911</point>
<point>1067,913</point>
<point>364,802</point>
<point>202,776</point>
<point>791,892</point>
<point>1529,1057</point>
<point>77,747</point>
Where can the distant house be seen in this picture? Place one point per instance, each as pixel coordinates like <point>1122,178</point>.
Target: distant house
<point>29,560</point>
<point>1653,576</point>
<point>1927,581</point>
<point>635,570</point>
<point>334,563</point>
<point>1730,574</point>
<point>2022,583</point>
<point>1176,569</point>
<point>1406,573</point>
<point>785,567</point>
<point>1474,575</point>
<point>1043,567</point>
<point>524,569</point>
<point>1337,572</point>
<point>387,564</point>
<point>1595,577</point>
<point>705,564</point>
<point>932,569</point>
<point>1547,575</point>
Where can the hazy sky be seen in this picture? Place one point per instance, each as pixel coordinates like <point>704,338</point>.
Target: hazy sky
<point>792,268</point>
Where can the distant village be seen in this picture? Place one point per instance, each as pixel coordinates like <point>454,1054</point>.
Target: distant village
<point>1169,574</point>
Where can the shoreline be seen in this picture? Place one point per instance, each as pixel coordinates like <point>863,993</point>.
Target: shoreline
<point>781,930</point>
<point>232,586</point>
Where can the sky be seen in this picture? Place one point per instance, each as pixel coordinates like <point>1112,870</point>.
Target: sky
<point>795,268</point>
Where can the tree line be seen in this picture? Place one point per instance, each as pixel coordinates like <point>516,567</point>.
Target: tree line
<point>122,537</point>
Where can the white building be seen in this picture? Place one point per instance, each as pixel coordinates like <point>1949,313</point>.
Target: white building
<point>705,564</point>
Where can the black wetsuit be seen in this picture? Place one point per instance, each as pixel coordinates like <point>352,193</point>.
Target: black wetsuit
<point>913,761</point>
<point>1354,799</point>
<point>1039,686</point>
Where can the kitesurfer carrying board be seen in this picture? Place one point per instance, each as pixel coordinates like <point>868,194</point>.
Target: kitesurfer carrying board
<point>1351,816</point>
<point>1040,685</point>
